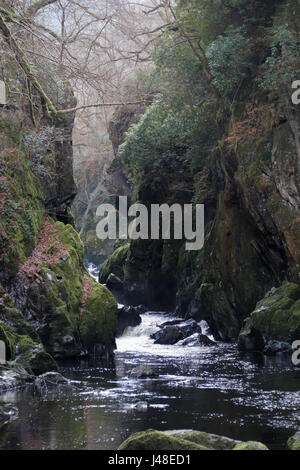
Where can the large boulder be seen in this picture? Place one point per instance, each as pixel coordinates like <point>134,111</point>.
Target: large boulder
<point>51,380</point>
<point>98,322</point>
<point>185,440</point>
<point>154,440</point>
<point>275,318</point>
<point>173,333</point>
<point>211,441</point>
<point>250,445</point>
<point>294,442</point>
<point>168,335</point>
<point>71,313</point>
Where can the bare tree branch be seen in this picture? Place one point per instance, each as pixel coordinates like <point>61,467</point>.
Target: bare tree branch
<point>35,7</point>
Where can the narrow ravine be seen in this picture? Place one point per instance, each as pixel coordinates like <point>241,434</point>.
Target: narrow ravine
<point>212,389</point>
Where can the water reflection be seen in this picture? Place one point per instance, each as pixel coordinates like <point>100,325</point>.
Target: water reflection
<point>213,389</point>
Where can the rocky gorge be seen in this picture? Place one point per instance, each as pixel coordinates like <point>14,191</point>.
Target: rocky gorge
<point>205,338</point>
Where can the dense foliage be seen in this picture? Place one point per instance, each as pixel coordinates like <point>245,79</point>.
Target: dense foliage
<point>211,51</point>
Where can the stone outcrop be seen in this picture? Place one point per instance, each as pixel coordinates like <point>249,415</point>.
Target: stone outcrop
<point>275,322</point>
<point>49,306</point>
<point>294,442</point>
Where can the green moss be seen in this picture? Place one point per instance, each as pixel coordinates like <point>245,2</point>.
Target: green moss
<point>37,362</point>
<point>23,212</point>
<point>154,440</point>
<point>98,320</point>
<point>250,445</point>
<point>294,442</point>
<point>23,344</point>
<point>21,326</point>
<point>114,263</point>
<point>277,316</point>
<point>212,441</point>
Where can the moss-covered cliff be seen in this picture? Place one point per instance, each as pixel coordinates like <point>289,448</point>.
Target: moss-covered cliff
<point>48,302</point>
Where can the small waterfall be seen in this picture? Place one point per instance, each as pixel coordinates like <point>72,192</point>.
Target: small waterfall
<point>148,326</point>
<point>93,270</point>
<point>137,338</point>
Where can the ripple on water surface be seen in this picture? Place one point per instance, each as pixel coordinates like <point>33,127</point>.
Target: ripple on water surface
<point>212,389</point>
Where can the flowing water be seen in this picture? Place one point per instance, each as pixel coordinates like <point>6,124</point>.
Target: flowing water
<point>218,390</point>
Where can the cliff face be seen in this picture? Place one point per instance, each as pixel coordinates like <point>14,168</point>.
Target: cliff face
<point>252,243</point>
<point>249,184</point>
<point>48,302</point>
<point>251,197</point>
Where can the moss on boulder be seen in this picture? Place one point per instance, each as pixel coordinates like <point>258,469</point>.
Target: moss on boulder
<point>23,345</point>
<point>212,441</point>
<point>294,442</point>
<point>250,445</point>
<point>185,440</point>
<point>114,264</point>
<point>98,323</point>
<point>155,440</point>
<point>68,317</point>
<point>276,316</point>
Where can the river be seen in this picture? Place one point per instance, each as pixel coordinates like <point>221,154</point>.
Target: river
<point>218,390</point>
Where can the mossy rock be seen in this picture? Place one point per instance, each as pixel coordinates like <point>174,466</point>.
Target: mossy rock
<point>294,442</point>
<point>155,440</point>
<point>23,345</point>
<point>250,445</point>
<point>212,441</point>
<point>114,264</point>
<point>277,315</point>
<point>98,323</point>
<point>37,362</point>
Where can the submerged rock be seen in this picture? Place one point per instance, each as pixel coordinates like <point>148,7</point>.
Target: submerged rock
<point>294,442</point>
<point>51,380</point>
<point>143,372</point>
<point>185,440</point>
